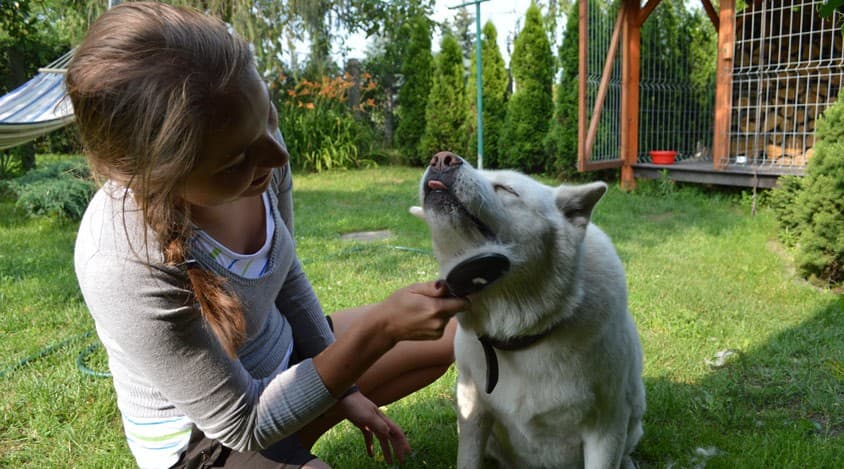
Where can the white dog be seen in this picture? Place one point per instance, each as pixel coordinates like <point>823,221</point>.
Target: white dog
<point>555,328</point>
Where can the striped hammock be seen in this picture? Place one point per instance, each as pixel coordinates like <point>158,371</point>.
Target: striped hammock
<point>37,107</point>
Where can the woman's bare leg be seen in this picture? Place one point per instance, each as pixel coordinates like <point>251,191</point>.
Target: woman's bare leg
<point>406,368</point>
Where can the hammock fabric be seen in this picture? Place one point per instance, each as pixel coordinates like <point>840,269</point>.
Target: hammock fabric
<point>37,107</point>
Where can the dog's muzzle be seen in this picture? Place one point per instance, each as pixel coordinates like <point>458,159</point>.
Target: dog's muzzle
<point>439,179</point>
<point>438,190</point>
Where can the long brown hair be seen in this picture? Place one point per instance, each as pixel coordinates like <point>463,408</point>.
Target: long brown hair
<point>144,83</point>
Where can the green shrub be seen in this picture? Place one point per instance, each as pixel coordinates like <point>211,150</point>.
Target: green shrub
<point>814,218</point>
<point>10,163</point>
<point>320,129</point>
<point>783,201</point>
<point>60,189</point>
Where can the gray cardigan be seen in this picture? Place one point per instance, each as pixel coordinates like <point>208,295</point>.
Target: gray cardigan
<point>165,360</point>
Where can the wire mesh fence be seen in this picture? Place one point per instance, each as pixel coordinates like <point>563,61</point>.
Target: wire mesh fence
<point>676,87</point>
<point>677,83</point>
<point>601,19</point>
<point>788,68</point>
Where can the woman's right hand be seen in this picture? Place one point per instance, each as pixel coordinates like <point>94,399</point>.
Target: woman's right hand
<point>419,311</point>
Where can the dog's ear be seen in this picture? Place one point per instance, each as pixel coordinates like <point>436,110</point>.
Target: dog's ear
<point>576,202</point>
<point>418,212</point>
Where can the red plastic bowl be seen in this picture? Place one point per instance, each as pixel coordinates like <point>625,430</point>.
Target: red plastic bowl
<point>663,156</point>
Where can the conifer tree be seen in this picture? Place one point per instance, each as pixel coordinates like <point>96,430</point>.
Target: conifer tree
<point>446,111</point>
<point>495,91</point>
<point>561,141</point>
<point>820,205</point>
<point>531,107</point>
<point>417,71</point>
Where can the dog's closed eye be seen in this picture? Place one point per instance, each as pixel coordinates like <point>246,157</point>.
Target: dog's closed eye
<point>502,187</point>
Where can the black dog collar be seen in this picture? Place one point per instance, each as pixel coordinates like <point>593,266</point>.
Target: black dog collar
<point>489,345</point>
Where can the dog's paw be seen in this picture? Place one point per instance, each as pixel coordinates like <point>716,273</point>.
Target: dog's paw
<point>418,212</point>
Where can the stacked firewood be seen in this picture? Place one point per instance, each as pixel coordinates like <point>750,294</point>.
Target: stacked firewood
<point>782,82</point>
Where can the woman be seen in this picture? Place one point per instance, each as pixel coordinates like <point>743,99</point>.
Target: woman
<point>219,350</point>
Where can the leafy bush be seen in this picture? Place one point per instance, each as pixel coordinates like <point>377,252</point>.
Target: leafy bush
<point>784,202</point>
<point>64,141</point>
<point>11,162</point>
<point>812,211</point>
<point>320,129</point>
<point>60,189</point>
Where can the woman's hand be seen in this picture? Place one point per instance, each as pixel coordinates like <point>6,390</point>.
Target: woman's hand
<point>370,420</point>
<point>419,311</point>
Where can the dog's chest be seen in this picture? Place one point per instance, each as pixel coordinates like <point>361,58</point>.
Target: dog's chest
<point>537,388</point>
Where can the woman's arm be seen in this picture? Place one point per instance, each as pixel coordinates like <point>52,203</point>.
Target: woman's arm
<point>417,312</point>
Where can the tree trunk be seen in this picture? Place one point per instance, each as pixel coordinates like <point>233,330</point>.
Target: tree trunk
<point>388,82</point>
<point>17,76</point>
<point>388,115</point>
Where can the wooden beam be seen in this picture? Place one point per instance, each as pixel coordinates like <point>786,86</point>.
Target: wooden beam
<point>723,84</point>
<point>604,85</point>
<point>630,92</point>
<point>711,13</point>
<point>603,164</point>
<point>583,31</point>
<point>646,10</point>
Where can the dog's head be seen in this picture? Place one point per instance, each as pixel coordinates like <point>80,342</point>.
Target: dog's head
<point>538,227</point>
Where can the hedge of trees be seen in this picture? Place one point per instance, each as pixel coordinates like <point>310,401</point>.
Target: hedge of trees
<point>401,102</point>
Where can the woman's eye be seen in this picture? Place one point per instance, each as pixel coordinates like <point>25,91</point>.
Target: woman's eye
<point>234,167</point>
<point>502,187</point>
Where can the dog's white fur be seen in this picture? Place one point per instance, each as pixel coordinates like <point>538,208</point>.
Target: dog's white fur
<point>576,397</point>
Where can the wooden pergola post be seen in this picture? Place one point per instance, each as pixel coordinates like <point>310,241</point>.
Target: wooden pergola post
<point>631,43</point>
<point>583,31</point>
<point>723,84</point>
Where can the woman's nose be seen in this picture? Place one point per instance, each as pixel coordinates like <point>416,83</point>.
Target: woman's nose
<point>271,151</point>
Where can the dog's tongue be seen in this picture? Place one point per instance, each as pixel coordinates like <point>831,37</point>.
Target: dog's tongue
<point>437,185</point>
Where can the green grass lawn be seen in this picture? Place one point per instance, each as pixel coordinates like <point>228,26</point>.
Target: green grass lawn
<point>704,277</point>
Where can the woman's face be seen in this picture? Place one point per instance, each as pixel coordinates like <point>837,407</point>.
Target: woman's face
<point>236,161</point>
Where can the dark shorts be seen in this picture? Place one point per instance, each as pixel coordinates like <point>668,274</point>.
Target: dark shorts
<point>204,453</point>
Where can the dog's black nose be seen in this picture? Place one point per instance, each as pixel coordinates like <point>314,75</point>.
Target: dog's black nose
<point>445,161</point>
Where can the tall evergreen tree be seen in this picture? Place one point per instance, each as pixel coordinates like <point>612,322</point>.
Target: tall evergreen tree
<point>561,141</point>
<point>531,107</point>
<point>446,111</point>
<point>462,25</point>
<point>495,92</point>
<point>417,71</point>
<point>386,55</point>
